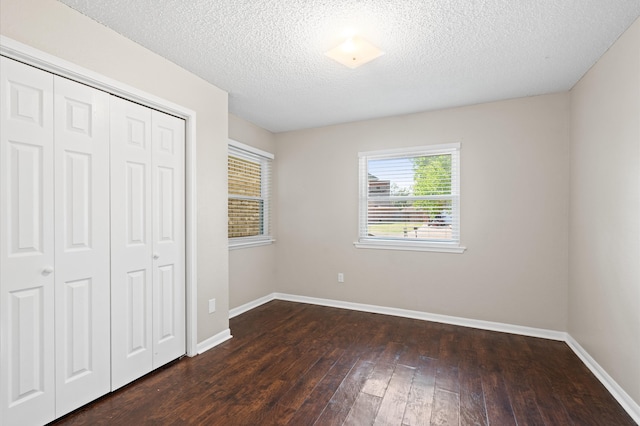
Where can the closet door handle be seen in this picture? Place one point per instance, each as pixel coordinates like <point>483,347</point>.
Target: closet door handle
<point>156,256</point>
<point>47,270</point>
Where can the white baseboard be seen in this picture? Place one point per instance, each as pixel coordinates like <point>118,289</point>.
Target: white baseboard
<point>212,341</point>
<point>445,319</point>
<point>631,407</point>
<point>251,305</point>
<point>612,386</point>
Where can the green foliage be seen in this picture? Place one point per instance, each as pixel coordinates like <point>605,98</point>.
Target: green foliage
<point>432,176</point>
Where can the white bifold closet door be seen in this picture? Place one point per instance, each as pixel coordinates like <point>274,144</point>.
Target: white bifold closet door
<point>147,240</point>
<point>26,252</point>
<point>54,245</point>
<point>82,266</point>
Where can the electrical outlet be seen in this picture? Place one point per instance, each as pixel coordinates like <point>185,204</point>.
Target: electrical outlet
<point>340,277</point>
<point>212,305</point>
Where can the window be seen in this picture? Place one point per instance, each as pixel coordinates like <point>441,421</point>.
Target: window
<point>249,171</point>
<point>410,199</point>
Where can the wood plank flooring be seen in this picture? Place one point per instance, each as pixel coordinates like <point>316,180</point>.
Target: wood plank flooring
<point>298,364</point>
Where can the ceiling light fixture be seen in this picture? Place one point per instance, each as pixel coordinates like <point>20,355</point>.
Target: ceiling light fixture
<point>354,52</point>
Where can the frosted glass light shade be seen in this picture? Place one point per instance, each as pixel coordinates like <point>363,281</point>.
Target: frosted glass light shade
<point>354,52</point>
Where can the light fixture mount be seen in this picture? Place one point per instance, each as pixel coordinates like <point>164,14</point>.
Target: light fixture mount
<point>353,52</point>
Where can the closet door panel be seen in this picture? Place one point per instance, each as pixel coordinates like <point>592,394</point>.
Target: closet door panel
<point>168,238</point>
<point>131,242</point>
<point>27,393</point>
<point>82,285</point>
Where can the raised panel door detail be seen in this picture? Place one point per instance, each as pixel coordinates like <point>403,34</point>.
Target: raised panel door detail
<point>25,198</point>
<point>78,328</point>
<point>26,312</point>
<point>77,203</point>
<point>166,204</point>
<point>136,133</point>
<point>166,307</point>
<point>167,139</point>
<point>136,188</point>
<point>136,311</point>
<point>79,116</point>
<point>26,103</point>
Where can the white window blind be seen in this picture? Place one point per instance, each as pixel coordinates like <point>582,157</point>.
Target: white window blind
<point>410,198</point>
<point>249,173</point>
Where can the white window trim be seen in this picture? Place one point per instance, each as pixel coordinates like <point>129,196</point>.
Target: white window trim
<point>399,244</point>
<point>246,242</point>
<point>250,149</point>
<point>259,240</point>
<point>409,246</point>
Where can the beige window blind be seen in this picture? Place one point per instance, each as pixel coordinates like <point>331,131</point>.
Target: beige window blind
<point>249,175</point>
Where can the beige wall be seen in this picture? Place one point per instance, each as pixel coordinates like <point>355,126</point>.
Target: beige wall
<point>56,29</point>
<point>604,289</point>
<point>515,192</point>
<point>252,271</point>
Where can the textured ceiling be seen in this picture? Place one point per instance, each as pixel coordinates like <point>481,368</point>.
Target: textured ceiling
<point>269,54</point>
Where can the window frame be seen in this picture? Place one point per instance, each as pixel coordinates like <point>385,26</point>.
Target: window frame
<point>364,241</point>
<point>247,152</point>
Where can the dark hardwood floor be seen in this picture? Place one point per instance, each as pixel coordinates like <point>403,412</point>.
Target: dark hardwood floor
<point>299,364</point>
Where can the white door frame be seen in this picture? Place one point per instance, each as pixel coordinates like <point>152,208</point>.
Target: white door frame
<point>39,59</point>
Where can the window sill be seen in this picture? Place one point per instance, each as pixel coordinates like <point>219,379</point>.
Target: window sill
<point>234,245</point>
<point>409,246</point>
